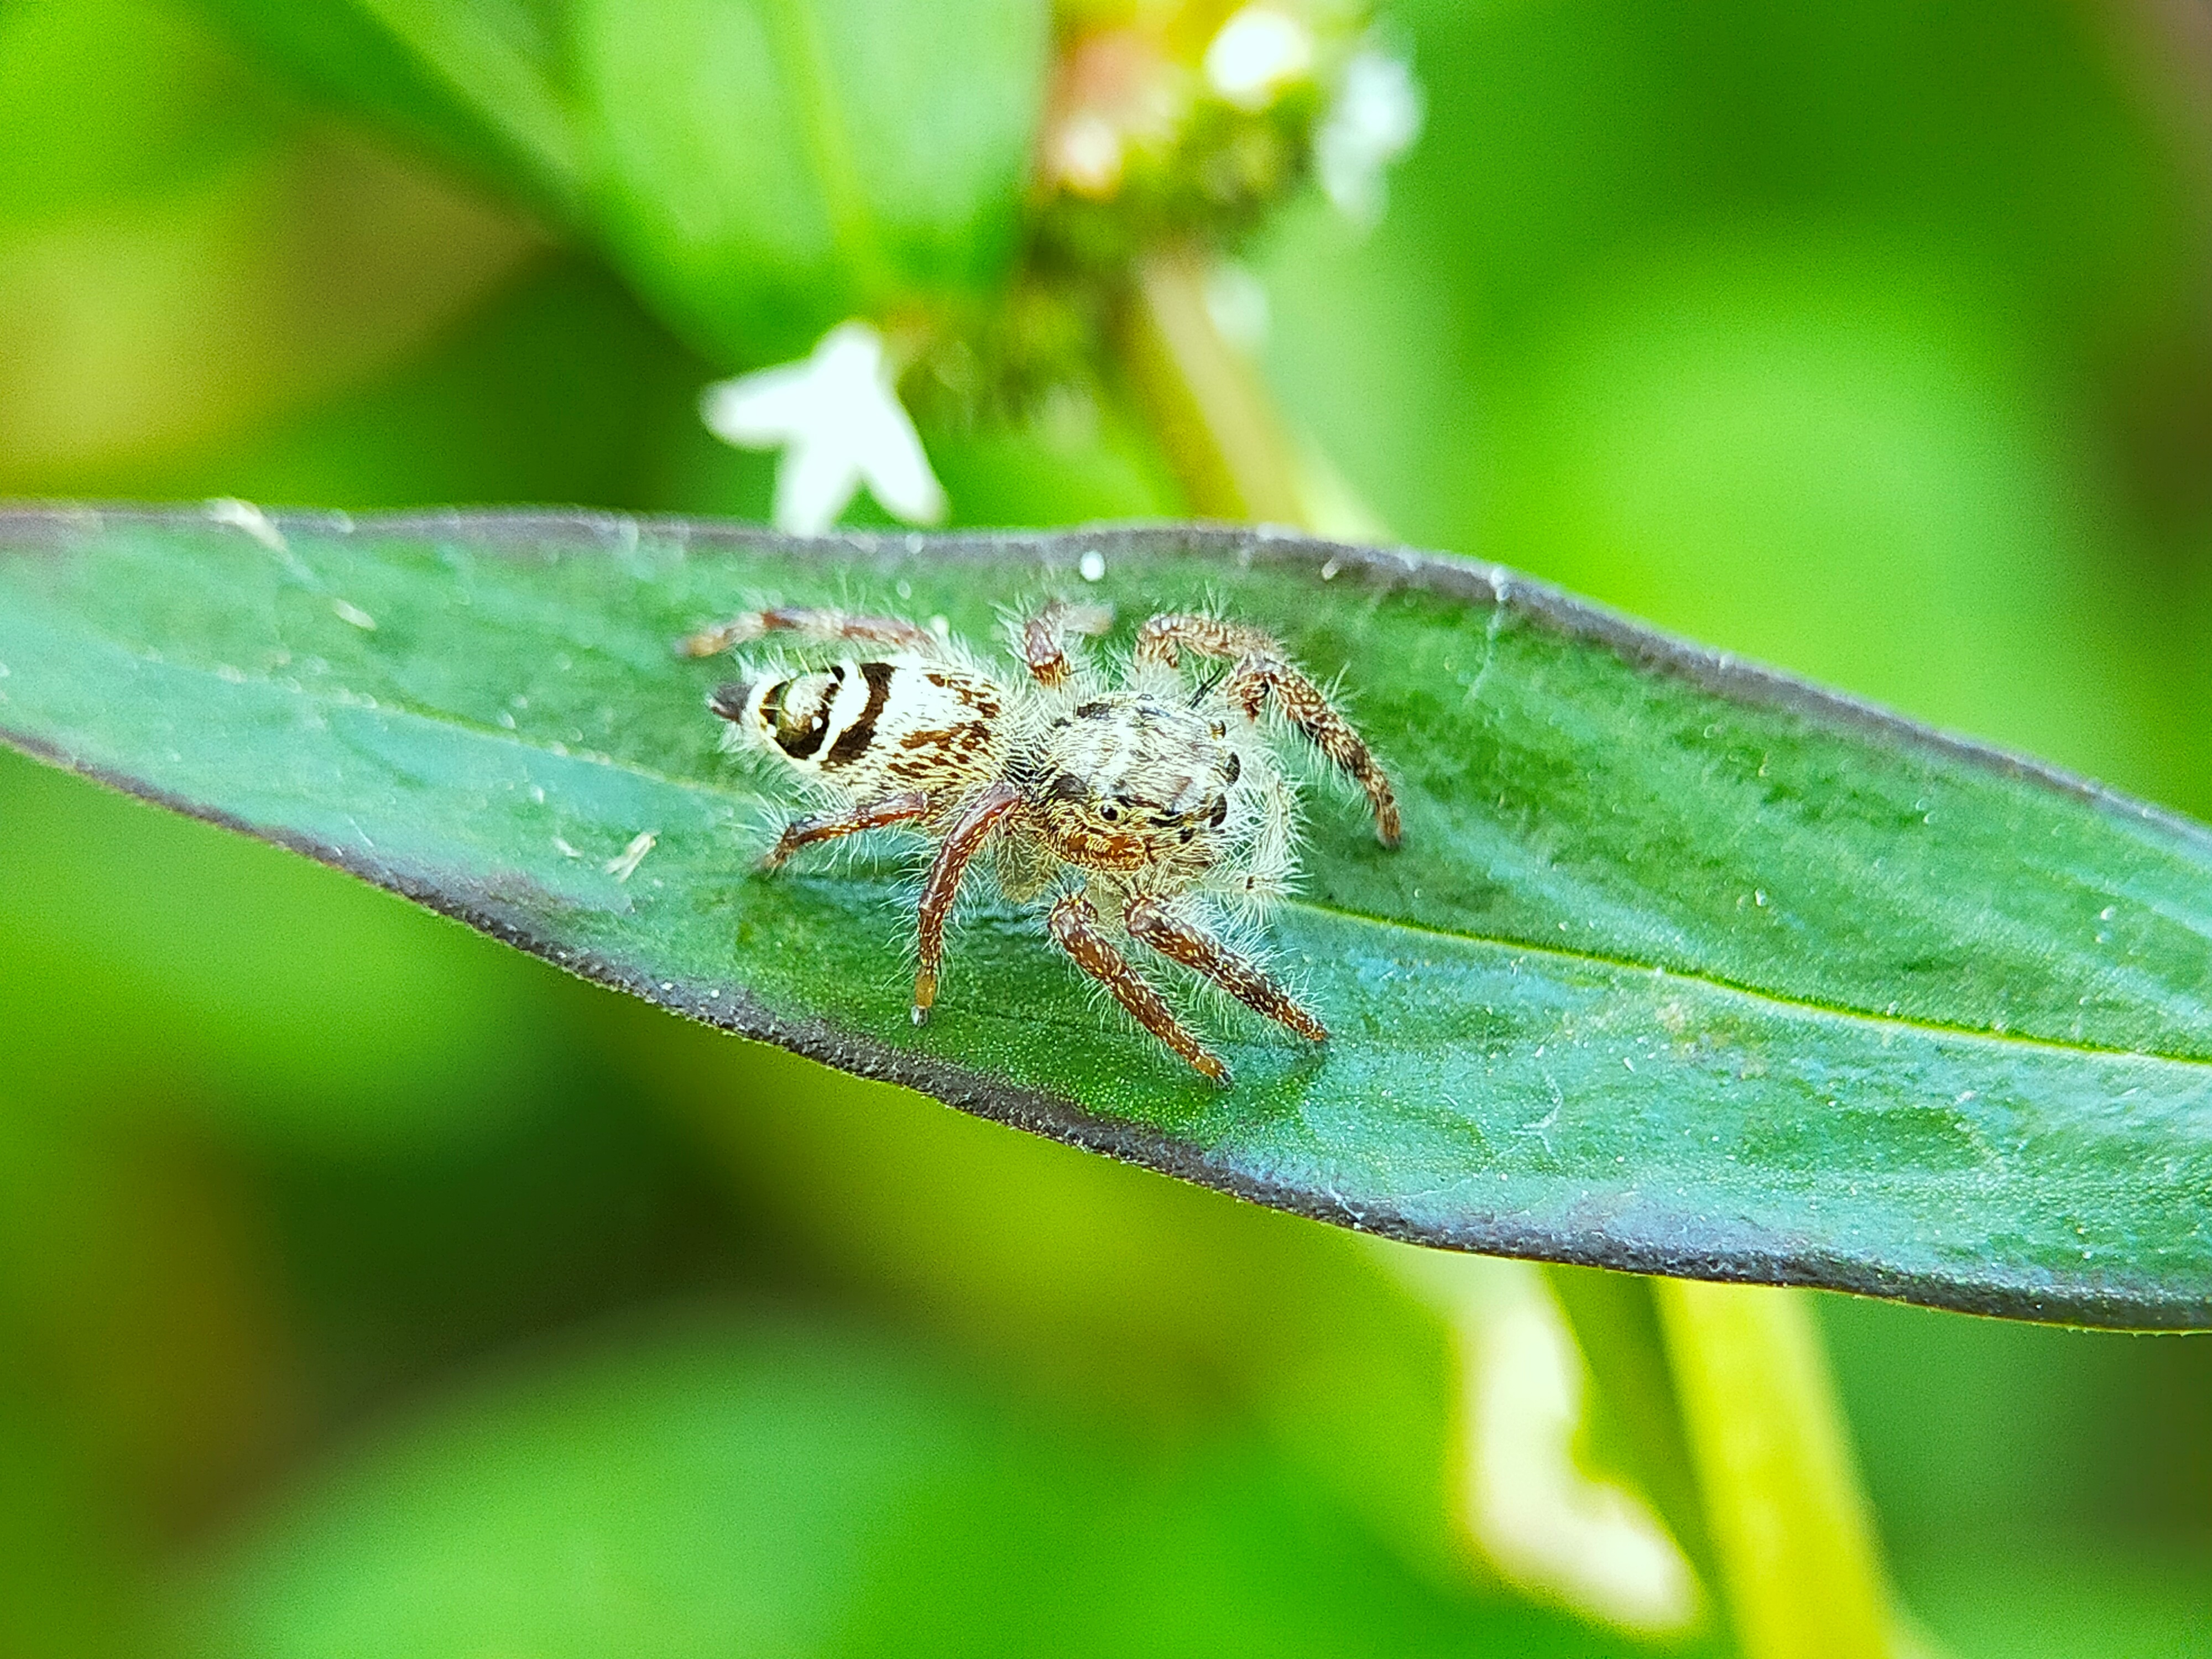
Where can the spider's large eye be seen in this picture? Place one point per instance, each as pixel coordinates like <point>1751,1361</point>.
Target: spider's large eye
<point>1109,811</point>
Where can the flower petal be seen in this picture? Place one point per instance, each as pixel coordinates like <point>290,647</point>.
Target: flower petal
<point>839,422</point>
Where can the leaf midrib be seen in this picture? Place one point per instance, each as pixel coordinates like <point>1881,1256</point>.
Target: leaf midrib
<point>447,718</point>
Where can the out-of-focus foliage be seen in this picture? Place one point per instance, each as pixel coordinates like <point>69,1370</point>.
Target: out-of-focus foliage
<point>747,1488</point>
<point>1869,338</point>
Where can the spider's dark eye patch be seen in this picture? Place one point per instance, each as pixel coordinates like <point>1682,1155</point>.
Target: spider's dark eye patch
<point>1068,787</point>
<point>1093,711</point>
<point>1233,770</point>
<point>797,737</point>
<point>1219,815</point>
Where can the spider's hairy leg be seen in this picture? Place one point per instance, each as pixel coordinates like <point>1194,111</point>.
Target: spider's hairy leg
<point>1262,672</point>
<point>1150,922</point>
<point>1042,639</point>
<point>962,842</point>
<point>1074,926</point>
<point>1165,637</point>
<point>810,622</point>
<point>829,826</point>
<point>1254,680</point>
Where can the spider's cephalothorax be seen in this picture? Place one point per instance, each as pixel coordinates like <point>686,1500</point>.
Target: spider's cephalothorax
<point>1145,808</point>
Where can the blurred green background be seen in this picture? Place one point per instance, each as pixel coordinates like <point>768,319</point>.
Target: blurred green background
<point>367,1288</point>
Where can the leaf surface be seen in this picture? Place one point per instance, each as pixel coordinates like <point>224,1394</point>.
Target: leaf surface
<point>1684,968</point>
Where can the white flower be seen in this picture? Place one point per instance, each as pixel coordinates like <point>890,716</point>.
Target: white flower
<point>1375,119</point>
<point>839,422</point>
<point>1257,52</point>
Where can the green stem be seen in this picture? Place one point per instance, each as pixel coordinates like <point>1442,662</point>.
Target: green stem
<point>1220,430</point>
<point>1791,1527</point>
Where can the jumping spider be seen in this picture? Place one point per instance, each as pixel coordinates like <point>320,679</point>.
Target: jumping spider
<point>1145,809</point>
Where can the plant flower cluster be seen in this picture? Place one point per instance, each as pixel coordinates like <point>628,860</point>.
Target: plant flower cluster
<point>1180,128</point>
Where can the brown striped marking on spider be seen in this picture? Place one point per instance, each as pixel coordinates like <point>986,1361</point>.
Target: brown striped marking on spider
<point>1144,807</point>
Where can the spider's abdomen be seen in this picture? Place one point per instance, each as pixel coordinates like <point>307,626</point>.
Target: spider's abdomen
<point>887,726</point>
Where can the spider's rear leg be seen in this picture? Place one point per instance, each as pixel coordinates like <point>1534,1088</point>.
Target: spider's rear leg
<point>1043,639</point>
<point>1262,671</point>
<point>1075,929</point>
<point>1151,923</point>
<point>810,622</point>
<point>829,826</point>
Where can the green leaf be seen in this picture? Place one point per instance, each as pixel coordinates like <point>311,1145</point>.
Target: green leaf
<point>760,169</point>
<point>1684,968</point>
<point>769,167</point>
<point>479,80</point>
<point>712,1489</point>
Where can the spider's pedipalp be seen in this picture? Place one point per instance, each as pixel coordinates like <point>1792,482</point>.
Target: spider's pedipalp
<point>1263,672</point>
<point>1043,638</point>
<point>1074,927</point>
<point>1151,922</point>
<point>809,622</point>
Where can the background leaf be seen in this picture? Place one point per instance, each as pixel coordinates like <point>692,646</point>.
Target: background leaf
<point>1683,968</point>
<point>812,159</point>
<point>760,169</point>
<point>479,81</point>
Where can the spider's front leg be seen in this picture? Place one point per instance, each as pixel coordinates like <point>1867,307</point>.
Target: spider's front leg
<point>962,842</point>
<point>1075,929</point>
<point>1150,922</point>
<point>830,826</point>
<point>1262,672</point>
<point>809,622</point>
<point>1043,639</point>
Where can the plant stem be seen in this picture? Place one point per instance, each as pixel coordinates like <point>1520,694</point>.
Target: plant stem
<point>1215,421</point>
<point>1791,1527</point>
